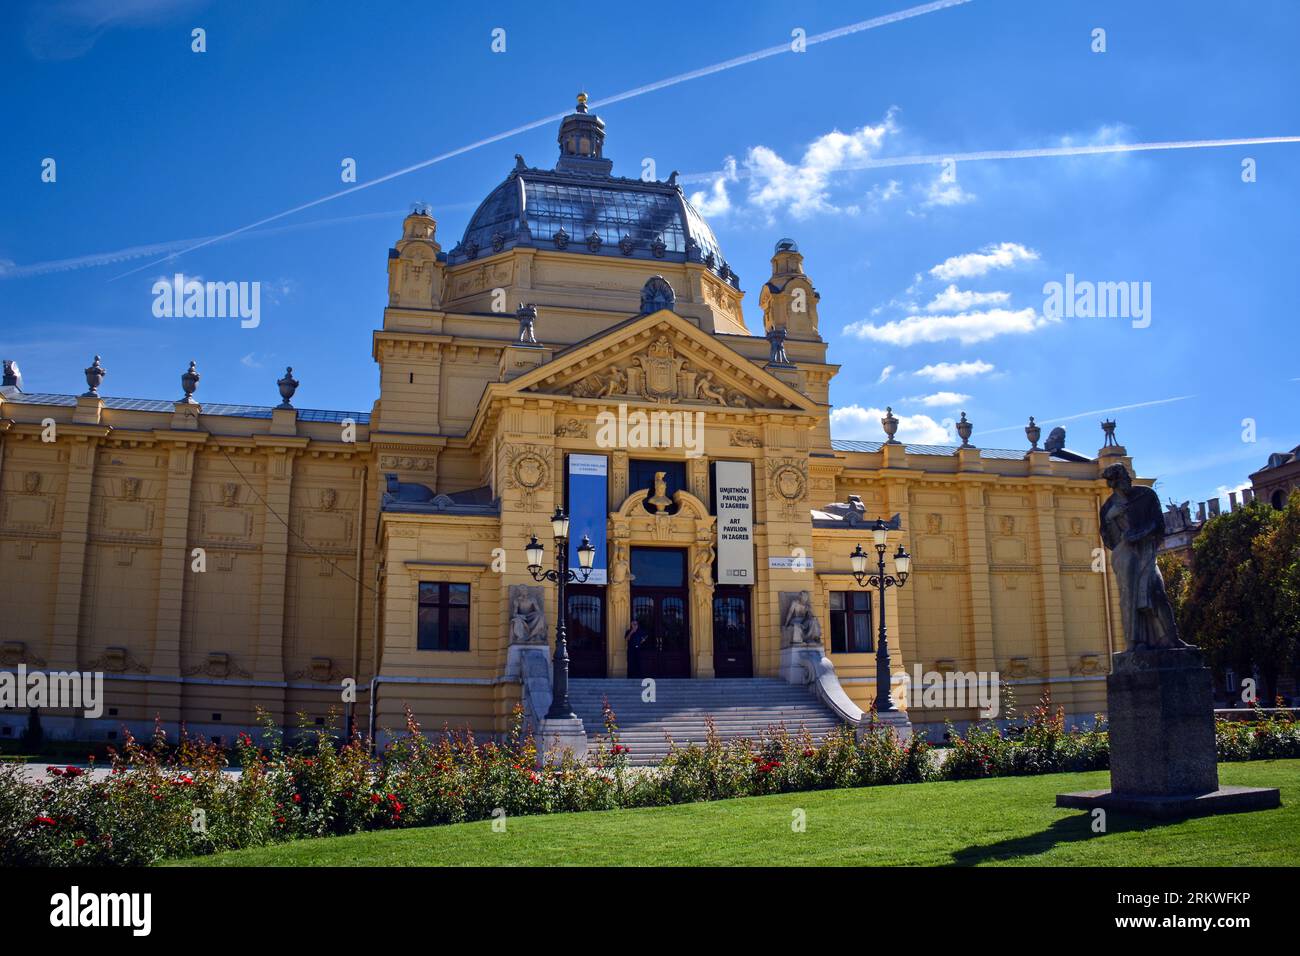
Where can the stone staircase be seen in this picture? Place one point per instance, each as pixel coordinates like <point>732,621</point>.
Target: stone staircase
<point>739,708</point>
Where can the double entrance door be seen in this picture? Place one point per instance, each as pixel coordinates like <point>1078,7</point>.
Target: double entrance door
<point>661,607</point>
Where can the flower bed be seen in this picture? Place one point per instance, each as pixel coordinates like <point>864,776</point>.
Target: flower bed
<point>161,801</point>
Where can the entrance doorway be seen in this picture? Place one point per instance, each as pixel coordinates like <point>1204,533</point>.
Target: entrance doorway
<point>585,631</point>
<point>732,652</point>
<point>661,607</point>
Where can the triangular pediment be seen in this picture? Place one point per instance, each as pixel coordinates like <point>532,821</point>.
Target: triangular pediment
<point>661,358</point>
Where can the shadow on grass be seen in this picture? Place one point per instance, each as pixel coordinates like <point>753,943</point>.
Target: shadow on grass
<point>1071,829</point>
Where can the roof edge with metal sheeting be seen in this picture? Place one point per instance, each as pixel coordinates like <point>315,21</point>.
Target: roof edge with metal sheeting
<point>208,409</point>
<point>1005,454</point>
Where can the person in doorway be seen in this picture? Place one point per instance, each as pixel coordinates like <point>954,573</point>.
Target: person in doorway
<point>635,638</point>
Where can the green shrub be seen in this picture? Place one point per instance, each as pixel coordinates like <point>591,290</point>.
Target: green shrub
<point>166,801</point>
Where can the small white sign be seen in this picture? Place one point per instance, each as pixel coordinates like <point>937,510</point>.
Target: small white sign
<point>790,564</point>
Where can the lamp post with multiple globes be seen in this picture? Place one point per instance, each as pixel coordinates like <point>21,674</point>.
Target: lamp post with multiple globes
<point>561,575</point>
<point>882,582</point>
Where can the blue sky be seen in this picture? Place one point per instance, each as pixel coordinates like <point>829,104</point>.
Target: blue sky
<point>940,281</point>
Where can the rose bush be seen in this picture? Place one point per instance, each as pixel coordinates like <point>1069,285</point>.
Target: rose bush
<point>161,800</point>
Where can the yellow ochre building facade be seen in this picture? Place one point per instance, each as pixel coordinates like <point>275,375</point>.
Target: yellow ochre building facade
<point>582,346</point>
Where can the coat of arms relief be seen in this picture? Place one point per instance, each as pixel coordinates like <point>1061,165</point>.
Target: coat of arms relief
<point>659,374</point>
<point>527,471</point>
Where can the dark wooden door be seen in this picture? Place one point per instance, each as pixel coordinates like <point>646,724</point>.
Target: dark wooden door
<point>733,654</point>
<point>585,630</point>
<point>663,615</point>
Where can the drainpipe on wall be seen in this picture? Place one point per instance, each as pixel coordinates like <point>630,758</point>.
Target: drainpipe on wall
<point>374,639</point>
<point>356,608</point>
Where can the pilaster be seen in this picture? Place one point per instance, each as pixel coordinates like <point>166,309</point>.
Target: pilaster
<point>977,572</point>
<point>173,566</point>
<point>82,443</point>
<point>1049,558</point>
<point>277,496</point>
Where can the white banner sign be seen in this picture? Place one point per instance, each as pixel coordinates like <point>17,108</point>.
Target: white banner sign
<point>734,495</point>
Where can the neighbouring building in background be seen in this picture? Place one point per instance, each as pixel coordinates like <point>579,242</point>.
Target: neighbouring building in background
<point>1182,527</point>
<point>1277,479</point>
<point>211,559</point>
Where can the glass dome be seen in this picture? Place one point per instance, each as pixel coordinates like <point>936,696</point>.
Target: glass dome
<point>579,207</point>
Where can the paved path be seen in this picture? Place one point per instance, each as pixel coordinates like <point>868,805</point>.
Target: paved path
<point>39,772</point>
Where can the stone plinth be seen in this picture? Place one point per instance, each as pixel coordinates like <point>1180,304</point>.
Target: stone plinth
<point>1161,715</point>
<point>1162,748</point>
<point>1223,800</point>
<point>895,719</point>
<point>557,736</point>
<point>520,358</point>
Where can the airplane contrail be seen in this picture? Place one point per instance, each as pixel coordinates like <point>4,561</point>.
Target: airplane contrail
<point>154,248</point>
<point>934,159</point>
<point>1095,411</point>
<point>852,28</point>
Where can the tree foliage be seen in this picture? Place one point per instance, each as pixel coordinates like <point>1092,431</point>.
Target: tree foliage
<point>1240,599</point>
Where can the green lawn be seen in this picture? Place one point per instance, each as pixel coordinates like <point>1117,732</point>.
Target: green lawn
<point>1009,821</point>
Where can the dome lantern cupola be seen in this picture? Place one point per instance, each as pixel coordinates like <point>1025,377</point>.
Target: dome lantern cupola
<point>582,142</point>
<point>581,208</point>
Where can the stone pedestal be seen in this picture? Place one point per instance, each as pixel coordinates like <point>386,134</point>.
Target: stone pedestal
<point>520,358</point>
<point>557,736</point>
<point>1162,747</point>
<point>530,664</point>
<point>896,719</point>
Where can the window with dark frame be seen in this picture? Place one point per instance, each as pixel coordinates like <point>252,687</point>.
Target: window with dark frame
<point>851,622</point>
<point>443,617</point>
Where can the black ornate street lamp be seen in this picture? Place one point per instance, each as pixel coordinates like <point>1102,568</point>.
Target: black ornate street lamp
<point>882,582</point>
<point>561,575</point>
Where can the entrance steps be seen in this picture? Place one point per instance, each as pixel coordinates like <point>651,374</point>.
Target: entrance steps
<point>739,708</point>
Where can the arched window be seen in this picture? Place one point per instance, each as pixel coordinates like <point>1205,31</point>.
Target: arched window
<point>1279,499</point>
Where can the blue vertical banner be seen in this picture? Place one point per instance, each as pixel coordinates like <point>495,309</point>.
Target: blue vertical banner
<point>588,501</point>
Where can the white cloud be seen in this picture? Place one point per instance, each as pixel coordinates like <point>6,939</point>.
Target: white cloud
<point>802,188</point>
<point>885,372</point>
<point>953,299</point>
<point>275,291</point>
<point>854,421</point>
<point>951,371</point>
<point>715,202</point>
<point>1223,490</point>
<point>945,193</point>
<point>249,361</point>
<point>940,399</point>
<point>971,264</point>
<point>965,327</point>
<point>878,195</point>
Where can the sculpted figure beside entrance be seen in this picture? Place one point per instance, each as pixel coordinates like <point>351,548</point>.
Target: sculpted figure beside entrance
<point>527,619</point>
<point>799,624</point>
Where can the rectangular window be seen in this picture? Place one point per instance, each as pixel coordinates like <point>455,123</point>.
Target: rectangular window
<point>851,622</point>
<point>443,617</point>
